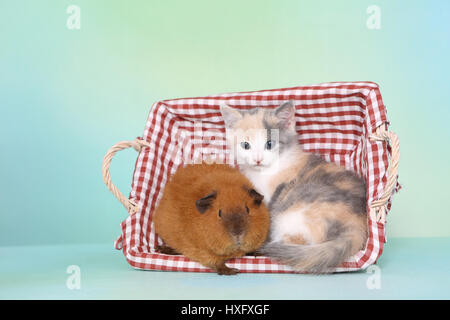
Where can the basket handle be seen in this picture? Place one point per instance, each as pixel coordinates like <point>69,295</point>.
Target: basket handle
<point>378,207</point>
<point>137,145</point>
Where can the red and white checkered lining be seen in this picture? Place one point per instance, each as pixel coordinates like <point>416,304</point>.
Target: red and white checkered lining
<point>332,119</point>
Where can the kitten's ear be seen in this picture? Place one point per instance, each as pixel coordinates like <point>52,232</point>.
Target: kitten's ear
<point>206,202</point>
<point>230,115</point>
<point>286,115</point>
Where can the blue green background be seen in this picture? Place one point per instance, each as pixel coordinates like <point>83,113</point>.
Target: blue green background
<point>67,95</point>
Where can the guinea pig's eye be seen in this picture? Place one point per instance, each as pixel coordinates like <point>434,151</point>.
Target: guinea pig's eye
<point>248,210</point>
<point>220,213</point>
<point>245,145</point>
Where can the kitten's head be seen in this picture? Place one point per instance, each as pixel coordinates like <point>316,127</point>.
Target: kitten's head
<point>257,137</point>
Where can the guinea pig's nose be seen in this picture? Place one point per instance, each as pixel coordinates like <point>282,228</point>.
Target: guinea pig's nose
<point>238,230</point>
<point>236,224</point>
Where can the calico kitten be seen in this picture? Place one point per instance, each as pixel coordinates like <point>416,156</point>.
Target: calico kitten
<point>318,209</point>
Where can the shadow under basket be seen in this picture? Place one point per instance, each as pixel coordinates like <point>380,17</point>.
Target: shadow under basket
<point>343,122</point>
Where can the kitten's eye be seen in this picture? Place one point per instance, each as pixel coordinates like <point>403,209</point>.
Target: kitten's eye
<point>245,145</point>
<point>248,210</point>
<point>270,144</point>
<point>220,213</point>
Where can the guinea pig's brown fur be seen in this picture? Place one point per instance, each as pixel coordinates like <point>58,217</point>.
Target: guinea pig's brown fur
<point>211,213</point>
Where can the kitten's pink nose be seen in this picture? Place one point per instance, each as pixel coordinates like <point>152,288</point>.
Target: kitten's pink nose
<point>258,162</point>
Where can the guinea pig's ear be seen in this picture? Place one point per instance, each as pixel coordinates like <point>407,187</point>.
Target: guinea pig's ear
<point>205,203</point>
<point>257,197</point>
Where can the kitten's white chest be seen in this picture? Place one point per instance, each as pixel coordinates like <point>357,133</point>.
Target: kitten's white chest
<point>261,182</point>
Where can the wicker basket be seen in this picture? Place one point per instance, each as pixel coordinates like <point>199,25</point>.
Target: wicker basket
<point>344,122</point>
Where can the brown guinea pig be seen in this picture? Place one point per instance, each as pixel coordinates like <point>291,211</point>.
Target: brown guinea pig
<point>211,213</point>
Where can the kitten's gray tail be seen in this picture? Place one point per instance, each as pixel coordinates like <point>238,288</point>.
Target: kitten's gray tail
<point>314,258</point>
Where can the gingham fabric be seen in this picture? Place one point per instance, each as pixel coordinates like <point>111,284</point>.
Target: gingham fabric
<point>333,120</point>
